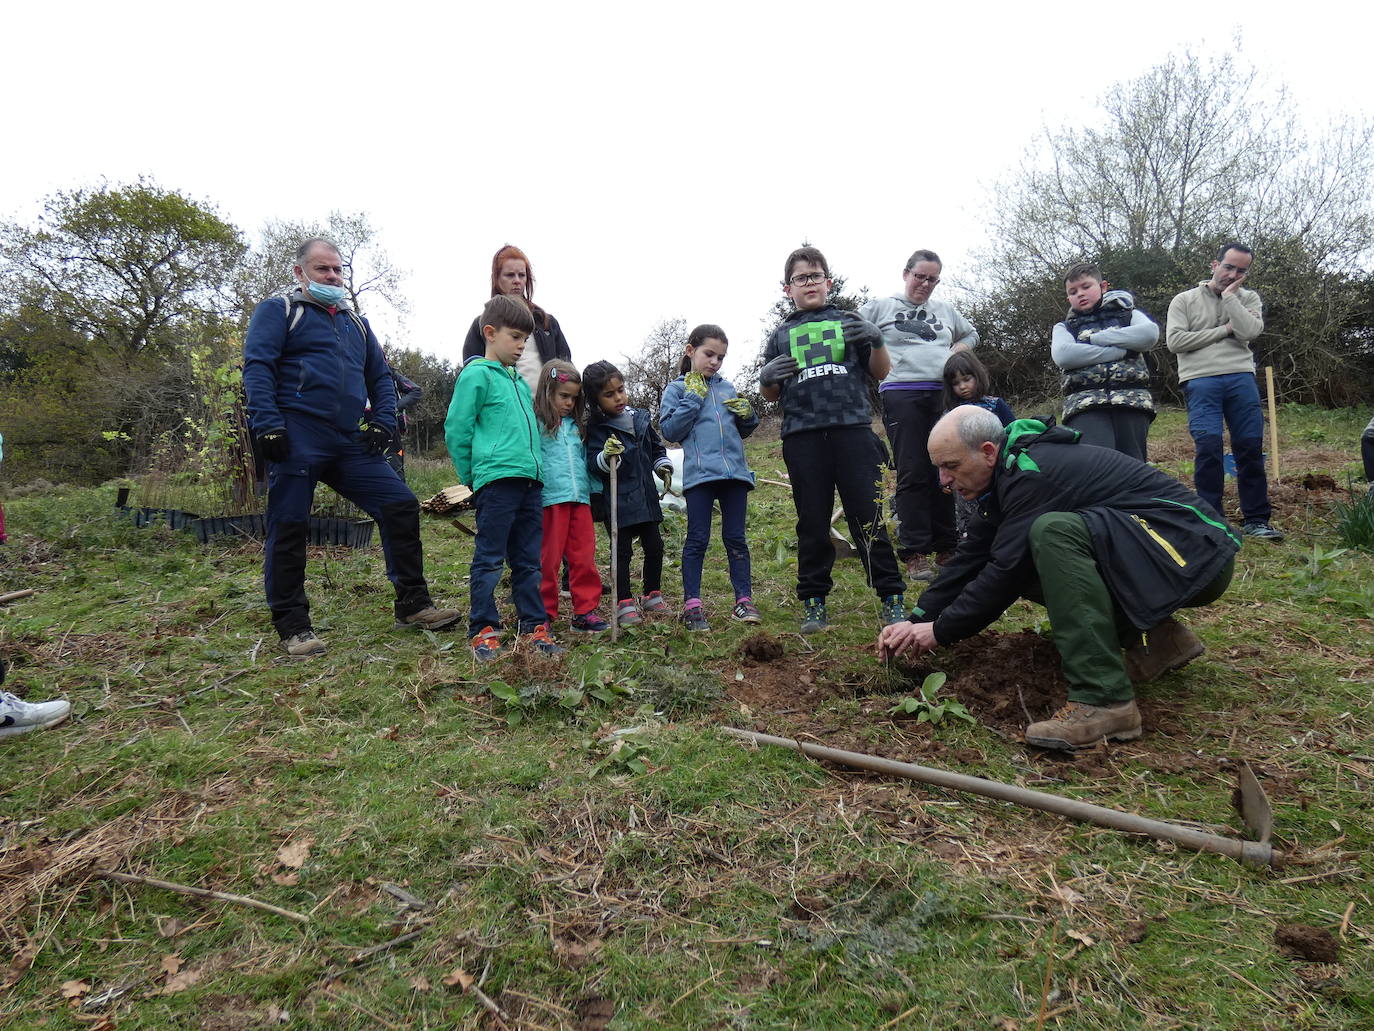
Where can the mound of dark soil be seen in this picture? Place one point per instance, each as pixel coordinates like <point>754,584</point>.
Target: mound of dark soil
<point>1318,481</point>
<point>762,647</point>
<point>1303,942</point>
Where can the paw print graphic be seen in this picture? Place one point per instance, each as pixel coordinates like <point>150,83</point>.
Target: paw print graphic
<point>920,324</point>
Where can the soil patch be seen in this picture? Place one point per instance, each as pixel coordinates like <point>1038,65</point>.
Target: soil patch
<point>762,647</point>
<point>1314,481</point>
<point>1303,942</point>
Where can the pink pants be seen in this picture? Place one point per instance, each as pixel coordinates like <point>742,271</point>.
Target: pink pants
<point>569,533</point>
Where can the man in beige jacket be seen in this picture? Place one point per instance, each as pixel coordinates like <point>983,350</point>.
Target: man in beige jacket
<point>1210,328</point>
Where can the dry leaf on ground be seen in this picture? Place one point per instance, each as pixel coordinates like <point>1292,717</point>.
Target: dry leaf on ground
<point>460,978</point>
<point>295,853</point>
<point>420,983</point>
<point>171,964</point>
<point>74,989</point>
<point>181,981</point>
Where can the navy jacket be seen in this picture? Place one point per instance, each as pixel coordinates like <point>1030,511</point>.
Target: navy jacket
<point>299,358</point>
<point>637,487</point>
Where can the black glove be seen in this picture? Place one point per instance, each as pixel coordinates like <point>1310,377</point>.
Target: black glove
<point>274,445</point>
<point>376,438</point>
<point>784,366</point>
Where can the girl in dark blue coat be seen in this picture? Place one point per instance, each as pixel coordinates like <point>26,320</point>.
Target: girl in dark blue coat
<point>613,428</point>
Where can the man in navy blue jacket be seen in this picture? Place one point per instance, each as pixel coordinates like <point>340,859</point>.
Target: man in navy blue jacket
<point>310,367</point>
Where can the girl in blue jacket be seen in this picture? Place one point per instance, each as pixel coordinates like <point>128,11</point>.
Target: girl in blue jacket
<point>701,411</point>
<point>568,530</point>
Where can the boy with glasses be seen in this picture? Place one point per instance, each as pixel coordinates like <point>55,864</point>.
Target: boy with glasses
<point>817,362</point>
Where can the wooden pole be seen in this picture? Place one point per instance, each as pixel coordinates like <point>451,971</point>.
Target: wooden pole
<point>612,462</point>
<point>1273,421</point>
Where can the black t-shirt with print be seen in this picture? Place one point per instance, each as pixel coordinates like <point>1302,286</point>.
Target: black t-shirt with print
<point>832,348</point>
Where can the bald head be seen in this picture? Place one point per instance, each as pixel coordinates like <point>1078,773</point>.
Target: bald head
<point>964,446</point>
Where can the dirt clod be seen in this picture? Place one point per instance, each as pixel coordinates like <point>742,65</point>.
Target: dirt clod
<point>1318,481</point>
<point>762,647</point>
<point>594,1014</point>
<point>1304,942</point>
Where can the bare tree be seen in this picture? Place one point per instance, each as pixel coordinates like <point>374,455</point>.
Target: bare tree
<point>648,373</point>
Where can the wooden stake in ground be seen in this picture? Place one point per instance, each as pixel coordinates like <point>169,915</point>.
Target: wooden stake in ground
<point>1273,421</point>
<point>612,462</point>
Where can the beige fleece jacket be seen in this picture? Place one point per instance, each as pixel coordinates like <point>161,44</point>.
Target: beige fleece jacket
<point>1196,331</point>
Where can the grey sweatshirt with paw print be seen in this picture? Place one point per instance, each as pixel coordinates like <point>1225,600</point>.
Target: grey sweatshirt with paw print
<point>918,336</point>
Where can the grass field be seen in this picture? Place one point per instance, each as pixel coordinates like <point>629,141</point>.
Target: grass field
<point>594,853</point>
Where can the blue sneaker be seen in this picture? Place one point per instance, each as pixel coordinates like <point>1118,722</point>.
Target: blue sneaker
<point>1261,531</point>
<point>694,618</point>
<point>487,645</point>
<point>543,643</point>
<point>894,609</point>
<point>813,616</point>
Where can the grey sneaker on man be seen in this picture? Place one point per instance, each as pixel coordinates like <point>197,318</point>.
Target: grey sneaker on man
<point>304,645</point>
<point>1078,725</point>
<point>1168,646</point>
<point>1261,532</point>
<point>20,717</point>
<point>430,618</point>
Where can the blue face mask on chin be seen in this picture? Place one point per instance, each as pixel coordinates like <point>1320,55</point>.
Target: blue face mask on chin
<point>325,294</point>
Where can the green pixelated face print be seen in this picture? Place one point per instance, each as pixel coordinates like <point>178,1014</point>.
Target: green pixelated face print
<point>817,343</point>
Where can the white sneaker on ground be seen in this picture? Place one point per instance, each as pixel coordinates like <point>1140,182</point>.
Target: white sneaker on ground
<point>19,717</point>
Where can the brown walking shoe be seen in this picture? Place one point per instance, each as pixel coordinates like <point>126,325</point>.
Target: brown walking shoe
<point>1078,725</point>
<point>430,618</point>
<point>1169,646</point>
<point>918,567</point>
<point>304,645</point>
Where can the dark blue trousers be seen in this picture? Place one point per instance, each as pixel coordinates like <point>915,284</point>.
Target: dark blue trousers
<point>510,530</point>
<point>1234,399</point>
<point>323,453</point>
<point>733,496</point>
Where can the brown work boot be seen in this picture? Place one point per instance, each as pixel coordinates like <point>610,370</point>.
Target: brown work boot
<point>918,567</point>
<point>430,618</point>
<point>1171,645</point>
<point>304,645</point>
<point>1078,725</point>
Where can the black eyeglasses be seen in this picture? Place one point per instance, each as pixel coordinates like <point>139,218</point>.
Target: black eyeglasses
<point>808,279</point>
<point>932,280</point>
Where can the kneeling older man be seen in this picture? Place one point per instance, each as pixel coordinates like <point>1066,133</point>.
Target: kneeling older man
<point>1109,545</point>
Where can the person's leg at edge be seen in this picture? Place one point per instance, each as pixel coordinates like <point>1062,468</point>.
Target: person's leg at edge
<point>291,492</point>
<point>734,502</point>
<point>495,506</point>
<point>1132,426</point>
<point>857,474</point>
<point>908,431</point>
<point>1245,419</point>
<point>555,536</point>
<point>1204,396</point>
<point>1094,427</point>
<point>523,547</point>
<point>584,578</point>
<point>651,540</point>
<point>625,538</point>
<point>811,468</point>
<point>700,504</point>
<point>1367,451</point>
<point>1081,610</point>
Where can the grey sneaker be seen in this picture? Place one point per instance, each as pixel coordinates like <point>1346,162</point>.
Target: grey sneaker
<point>20,717</point>
<point>1261,532</point>
<point>430,618</point>
<point>694,619</point>
<point>1078,725</point>
<point>1168,646</point>
<point>813,616</point>
<point>304,645</point>
<point>894,609</point>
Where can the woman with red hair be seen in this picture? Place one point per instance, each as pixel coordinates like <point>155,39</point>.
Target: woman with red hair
<point>511,275</point>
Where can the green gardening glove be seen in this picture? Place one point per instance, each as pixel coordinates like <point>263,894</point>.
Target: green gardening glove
<point>612,447</point>
<point>696,383</point>
<point>665,473</point>
<point>740,406</point>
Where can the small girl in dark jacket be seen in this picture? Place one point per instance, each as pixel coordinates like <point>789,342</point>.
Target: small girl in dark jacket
<point>967,383</point>
<point>701,411</point>
<point>613,428</point>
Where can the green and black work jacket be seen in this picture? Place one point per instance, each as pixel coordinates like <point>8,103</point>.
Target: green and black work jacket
<point>1156,543</point>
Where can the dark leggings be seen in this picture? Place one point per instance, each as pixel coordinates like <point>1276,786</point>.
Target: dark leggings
<point>651,542</point>
<point>734,497</point>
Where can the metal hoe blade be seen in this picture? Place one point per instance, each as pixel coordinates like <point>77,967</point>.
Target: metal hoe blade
<point>1255,809</point>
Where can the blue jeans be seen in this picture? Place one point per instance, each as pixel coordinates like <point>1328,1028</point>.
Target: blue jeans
<point>321,452</point>
<point>701,499</point>
<point>510,529</point>
<point>1233,398</point>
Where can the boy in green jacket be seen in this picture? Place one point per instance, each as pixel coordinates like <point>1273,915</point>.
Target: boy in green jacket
<point>493,439</point>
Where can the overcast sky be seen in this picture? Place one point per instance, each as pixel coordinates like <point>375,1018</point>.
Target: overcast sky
<point>654,160</point>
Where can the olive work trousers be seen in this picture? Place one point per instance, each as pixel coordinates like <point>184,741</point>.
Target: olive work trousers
<point>1089,627</point>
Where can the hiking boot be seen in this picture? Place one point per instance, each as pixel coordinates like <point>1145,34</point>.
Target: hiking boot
<point>694,619</point>
<point>627,613</point>
<point>813,616</point>
<point>1261,531</point>
<point>487,645</point>
<point>543,643</point>
<point>894,609</point>
<point>1169,646</point>
<point>918,567</point>
<point>653,602</point>
<point>20,717</point>
<point>592,622</point>
<point>1078,725</point>
<point>430,618</point>
<point>304,645</point>
<point>745,611</point>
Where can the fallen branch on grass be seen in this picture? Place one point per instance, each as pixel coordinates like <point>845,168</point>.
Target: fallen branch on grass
<point>366,954</point>
<point>16,595</point>
<point>203,893</point>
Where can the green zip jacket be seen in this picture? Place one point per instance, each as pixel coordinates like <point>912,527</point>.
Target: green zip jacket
<point>490,429</point>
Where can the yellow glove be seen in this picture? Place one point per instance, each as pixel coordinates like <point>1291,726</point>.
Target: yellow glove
<point>612,447</point>
<point>696,383</point>
<point>740,406</point>
<point>665,473</point>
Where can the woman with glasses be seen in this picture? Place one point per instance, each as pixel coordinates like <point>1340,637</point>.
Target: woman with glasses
<point>920,335</point>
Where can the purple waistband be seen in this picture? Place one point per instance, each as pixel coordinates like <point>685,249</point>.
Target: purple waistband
<point>919,384</point>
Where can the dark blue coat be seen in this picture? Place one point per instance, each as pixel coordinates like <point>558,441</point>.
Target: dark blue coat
<point>637,487</point>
